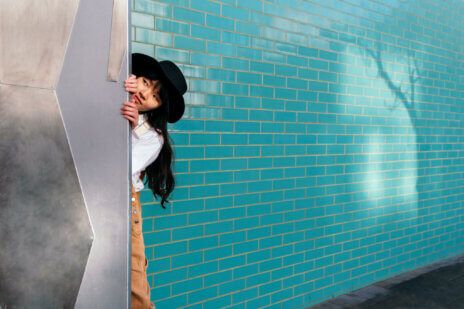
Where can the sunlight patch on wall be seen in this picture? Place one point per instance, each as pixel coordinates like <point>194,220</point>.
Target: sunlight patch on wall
<point>387,175</point>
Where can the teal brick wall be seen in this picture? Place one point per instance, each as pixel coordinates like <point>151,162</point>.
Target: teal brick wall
<point>321,148</point>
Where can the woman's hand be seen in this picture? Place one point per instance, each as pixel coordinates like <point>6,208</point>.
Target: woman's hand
<point>130,84</point>
<point>130,112</point>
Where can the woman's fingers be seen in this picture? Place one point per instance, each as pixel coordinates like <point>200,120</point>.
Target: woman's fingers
<point>130,81</point>
<point>133,119</point>
<point>130,112</point>
<point>130,104</point>
<point>131,77</point>
<point>130,84</point>
<point>128,116</point>
<point>131,89</point>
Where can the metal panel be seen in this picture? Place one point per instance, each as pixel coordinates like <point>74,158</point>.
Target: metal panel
<point>49,168</point>
<point>118,40</point>
<point>46,234</point>
<point>34,37</point>
<point>99,137</point>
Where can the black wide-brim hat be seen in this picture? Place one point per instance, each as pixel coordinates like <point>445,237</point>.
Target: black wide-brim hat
<point>170,76</point>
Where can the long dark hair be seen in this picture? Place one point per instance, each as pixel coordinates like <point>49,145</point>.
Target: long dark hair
<point>158,174</point>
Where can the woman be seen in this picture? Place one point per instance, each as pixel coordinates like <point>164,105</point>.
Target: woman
<point>156,90</point>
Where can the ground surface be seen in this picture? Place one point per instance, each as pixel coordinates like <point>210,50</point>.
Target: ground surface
<point>437,286</point>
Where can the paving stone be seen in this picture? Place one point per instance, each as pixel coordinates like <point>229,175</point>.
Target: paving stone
<point>344,300</point>
<point>371,291</point>
<point>436,286</point>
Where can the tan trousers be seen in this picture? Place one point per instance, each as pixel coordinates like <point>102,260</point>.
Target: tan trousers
<point>140,288</point>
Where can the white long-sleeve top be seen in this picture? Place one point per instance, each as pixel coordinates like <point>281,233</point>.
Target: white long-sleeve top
<point>146,146</point>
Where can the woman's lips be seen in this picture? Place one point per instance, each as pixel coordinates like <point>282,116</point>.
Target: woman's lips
<point>136,98</point>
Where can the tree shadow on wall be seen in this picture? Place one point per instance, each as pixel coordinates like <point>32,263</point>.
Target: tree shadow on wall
<point>432,143</point>
<point>402,94</point>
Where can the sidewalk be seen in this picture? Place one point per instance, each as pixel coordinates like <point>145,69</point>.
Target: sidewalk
<point>437,286</point>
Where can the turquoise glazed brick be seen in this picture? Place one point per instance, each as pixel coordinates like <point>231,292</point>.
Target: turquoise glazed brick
<point>202,269</point>
<point>161,293</point>
<point>171,26</point>
<point>203,243</point>
<point>231,286</point>
<point>249,53</point>
<point>206,6</point>
<point>170,221</point>
<point>172,54</point>
<point>249,78</point>
<point>313,158</point>
<point>215,253</point>
<point>219,22</point>
<point>234,12</point>
<point>250,5</point>
<point>173,302</point>
<point>232,262</point>
<point>151,37</point>
<point>171,248</point>
<point>262,67</point>
<point>186,286</point>
<point>143,48</point>
<point>183,14</point>
<point>142,20</point>
<point>205,59</point>
<point>221,49</point>
<point>244,294</point>
<point>186,259</point>
<point>218,74</point>
<point>152,238</point>
<point>257,91</point>
<point>187,232</point>
<point>205,33</point>
<point>190,152</point>
<point>202,294</point>
<point>219,177</point>
<point>217,302</point>
<point>235,89</point>
<point>187,206</point>
<point>182,42</point>
<point>238,39</point>
<point>245,102</point>
<point>219,277</point>
<point>233,63</point>
<point>151,8</point>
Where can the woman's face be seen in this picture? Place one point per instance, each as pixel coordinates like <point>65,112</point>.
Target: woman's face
<point>147,96</point>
